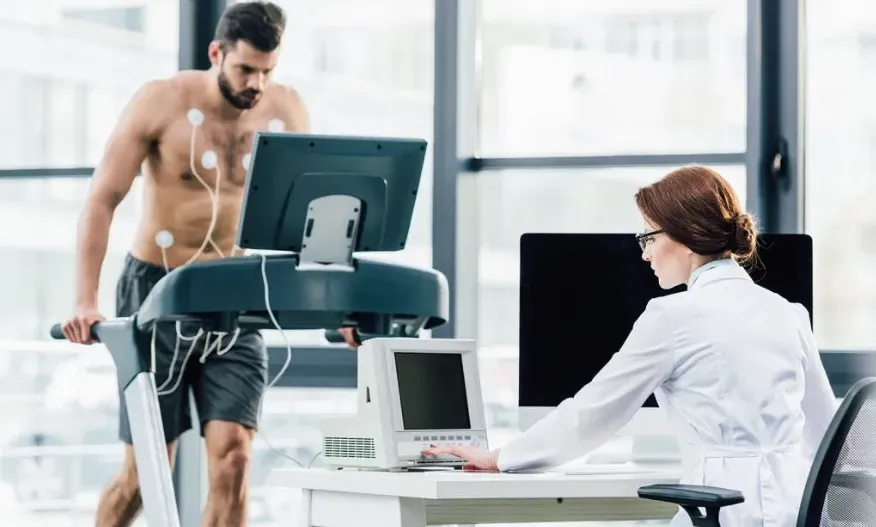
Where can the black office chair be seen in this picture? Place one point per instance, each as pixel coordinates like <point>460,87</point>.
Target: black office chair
<point>841,489</point>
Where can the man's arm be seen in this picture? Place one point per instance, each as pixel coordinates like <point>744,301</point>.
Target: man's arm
<point>125,150</point>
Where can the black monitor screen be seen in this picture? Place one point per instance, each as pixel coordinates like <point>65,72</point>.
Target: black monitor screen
<point>431,389</point>
<point>581,293</point>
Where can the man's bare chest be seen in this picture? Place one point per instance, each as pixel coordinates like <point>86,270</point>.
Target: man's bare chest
<point>216,151</point>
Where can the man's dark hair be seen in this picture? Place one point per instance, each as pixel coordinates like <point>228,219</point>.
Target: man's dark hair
<point>260,23</point>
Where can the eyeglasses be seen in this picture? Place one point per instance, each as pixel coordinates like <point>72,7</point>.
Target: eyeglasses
<point>646,238</point>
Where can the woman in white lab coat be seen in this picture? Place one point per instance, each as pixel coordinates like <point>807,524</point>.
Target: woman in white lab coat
<point>734,365</point>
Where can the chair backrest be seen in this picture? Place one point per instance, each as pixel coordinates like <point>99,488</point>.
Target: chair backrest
<point>841,489</point>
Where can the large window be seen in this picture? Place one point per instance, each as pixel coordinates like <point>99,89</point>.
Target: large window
<point>60,101</point>
<point>59,444</point>
<point>841,172</point>
<point>67,75</point>
<point>561,78</point>
<point>38,245</point>
<point>62,96</point>
<point>599,78</point>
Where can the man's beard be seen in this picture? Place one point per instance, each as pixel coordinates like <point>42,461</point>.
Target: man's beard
<point>238,100</point>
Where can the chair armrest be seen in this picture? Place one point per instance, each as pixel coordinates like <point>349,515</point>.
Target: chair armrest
<point>691,495</point>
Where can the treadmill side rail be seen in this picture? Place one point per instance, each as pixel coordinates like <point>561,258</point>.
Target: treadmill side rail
<point>137,383</point>
<point>150,452</point>
<point>120,338</point>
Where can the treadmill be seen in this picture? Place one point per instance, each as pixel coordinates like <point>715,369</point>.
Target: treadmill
<point>312,201</point>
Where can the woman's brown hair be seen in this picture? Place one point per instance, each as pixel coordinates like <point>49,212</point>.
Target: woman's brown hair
<point>695,206</point>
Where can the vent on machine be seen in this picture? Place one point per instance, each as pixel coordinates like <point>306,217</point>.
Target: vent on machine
<point>348,447</point>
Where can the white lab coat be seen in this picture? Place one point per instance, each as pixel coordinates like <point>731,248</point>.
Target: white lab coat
<point>737,370</point>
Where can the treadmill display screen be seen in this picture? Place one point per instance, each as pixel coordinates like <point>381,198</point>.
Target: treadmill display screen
<point>431,389</point>
<point>580,295</point>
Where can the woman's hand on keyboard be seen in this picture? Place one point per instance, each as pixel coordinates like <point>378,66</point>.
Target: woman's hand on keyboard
<point>475,458</point>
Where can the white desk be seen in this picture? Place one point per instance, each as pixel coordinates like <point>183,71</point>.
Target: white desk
<point>352,498</point>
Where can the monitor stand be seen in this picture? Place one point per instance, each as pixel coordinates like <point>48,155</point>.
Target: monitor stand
<point>647,439</point>
<point>656,450</point>
<point>645,450</point>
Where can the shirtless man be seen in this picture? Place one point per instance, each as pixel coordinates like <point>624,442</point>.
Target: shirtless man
<point>233,100</point>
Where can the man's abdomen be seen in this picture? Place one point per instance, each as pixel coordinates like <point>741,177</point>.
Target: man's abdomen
<point>172,233</point>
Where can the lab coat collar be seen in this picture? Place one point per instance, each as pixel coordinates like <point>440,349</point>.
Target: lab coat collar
<point>724,269</point>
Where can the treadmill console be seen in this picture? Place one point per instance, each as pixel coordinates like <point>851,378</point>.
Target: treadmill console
<point>323,202</point>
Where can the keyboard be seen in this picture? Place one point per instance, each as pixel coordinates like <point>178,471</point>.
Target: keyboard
<point>439,460</point>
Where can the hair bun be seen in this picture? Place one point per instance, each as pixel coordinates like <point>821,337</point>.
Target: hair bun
<point>743,238</point>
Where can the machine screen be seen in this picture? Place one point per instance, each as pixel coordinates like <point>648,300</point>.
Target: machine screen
<point>431,389</point>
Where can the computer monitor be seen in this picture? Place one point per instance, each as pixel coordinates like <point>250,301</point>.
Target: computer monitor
<point>352,194</point>
<point>412,393</point>
<point>580,295</point>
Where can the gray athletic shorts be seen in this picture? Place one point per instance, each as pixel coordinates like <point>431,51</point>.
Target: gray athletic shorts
<point>227,387</point>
